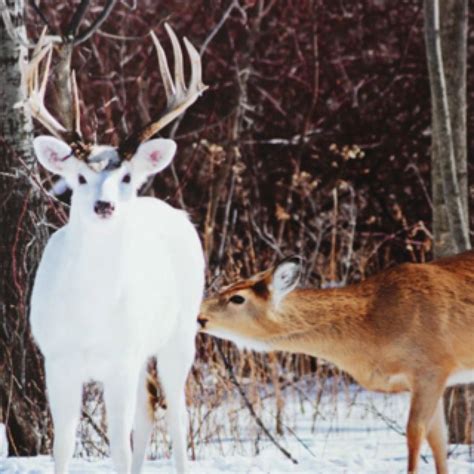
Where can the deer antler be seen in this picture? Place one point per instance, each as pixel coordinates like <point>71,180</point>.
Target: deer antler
<point>35,89</point>
<point>179,97</point>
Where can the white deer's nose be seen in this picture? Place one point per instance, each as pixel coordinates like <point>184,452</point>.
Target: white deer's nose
<point>104,209</point>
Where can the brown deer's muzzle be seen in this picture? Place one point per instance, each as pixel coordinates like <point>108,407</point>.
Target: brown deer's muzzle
<point>202,321</point>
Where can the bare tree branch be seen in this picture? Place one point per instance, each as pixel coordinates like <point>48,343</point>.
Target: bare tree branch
<point>96,24</point>
<point>218,26</point>
<point>43,17</point>
<point>257,419</point>
<point>76,19</point>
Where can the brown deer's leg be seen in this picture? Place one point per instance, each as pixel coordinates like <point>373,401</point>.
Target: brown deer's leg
<point>438,440</point>
<point>425,396</point>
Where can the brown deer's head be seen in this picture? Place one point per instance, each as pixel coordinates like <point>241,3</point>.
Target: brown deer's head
<point>246,312</point>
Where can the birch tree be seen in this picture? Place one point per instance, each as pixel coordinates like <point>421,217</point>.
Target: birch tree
<point>446,47</point>
<point>22,236</point>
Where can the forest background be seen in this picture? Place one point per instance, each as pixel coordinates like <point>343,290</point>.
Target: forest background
<point>313,138</point>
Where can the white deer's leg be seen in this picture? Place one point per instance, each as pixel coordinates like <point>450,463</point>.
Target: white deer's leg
<point>143,423</point>
<point>174,362</point>
<point>120,394</point>
<point>65,396</point>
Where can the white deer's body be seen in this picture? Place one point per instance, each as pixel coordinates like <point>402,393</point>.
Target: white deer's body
<point>101,292</point>
<point>121,282</point>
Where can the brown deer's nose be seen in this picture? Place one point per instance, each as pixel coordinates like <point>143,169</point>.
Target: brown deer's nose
<point>104,208</point>
<point>202,321</point>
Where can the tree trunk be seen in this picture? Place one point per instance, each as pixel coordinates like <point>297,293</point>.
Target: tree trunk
<point>447,64</point>
<point>445,100</point>
<point>453,15</point>
<point>23,406</point>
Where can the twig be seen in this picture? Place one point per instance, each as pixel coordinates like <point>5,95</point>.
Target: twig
<point>96,24</point>
<point>414,167</point>
<point>76,19</point>
<point>113,36</point>
<point>294,140</point>
<point>40,13</point>
<point>391,424</point>
<point>257,419</point>
<point>97,428</point>
<point>226,219</point>
<point>300,441</point>
<point>219,25</point>
<point>15,275</point>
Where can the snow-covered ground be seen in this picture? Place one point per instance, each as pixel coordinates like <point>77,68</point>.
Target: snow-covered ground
<point>353,432</point>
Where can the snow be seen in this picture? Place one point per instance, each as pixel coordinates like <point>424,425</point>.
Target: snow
<point>3,442</point>
<point>353,432</point>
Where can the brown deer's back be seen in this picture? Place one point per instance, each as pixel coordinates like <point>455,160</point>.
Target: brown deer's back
<point>424,313</point>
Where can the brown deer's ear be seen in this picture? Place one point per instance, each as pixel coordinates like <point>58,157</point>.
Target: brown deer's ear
<point>285,278</point>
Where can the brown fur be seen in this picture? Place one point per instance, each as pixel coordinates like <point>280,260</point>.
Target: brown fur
<point>407,328</point>
<point>155,397</point>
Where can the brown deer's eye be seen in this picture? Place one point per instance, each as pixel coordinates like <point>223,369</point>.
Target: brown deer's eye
<point>126,178</point>
<point>81,179</point>
<point>237,299</point>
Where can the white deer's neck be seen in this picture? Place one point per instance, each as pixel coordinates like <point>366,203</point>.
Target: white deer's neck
<point>94,240</point>
<point>97,258</point>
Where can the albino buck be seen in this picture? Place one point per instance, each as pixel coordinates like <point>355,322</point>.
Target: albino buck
<point>122,281</point>
<point>409,328</point>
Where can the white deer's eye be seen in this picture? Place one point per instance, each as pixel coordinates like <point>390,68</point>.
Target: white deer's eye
<point>81,179</point>
<point>127,178</point>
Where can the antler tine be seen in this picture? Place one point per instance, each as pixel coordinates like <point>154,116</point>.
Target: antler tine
<point>41,42</point>
<point>178,64</point>
<point>42,89</point>
<point>196,84</point>
<point>179,97</point>
<point>76,105</point>
<point>35,89</point>
<point>164,69</point>
<point>30,69</point>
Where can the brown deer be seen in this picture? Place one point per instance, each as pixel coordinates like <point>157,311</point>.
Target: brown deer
<point>409,328</point>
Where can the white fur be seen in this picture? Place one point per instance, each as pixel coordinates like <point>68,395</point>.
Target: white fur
<point>240,341</point>
<point>461,377</point>
<point>286,277</point>
<point>398,380</point>
<point>110,293</point>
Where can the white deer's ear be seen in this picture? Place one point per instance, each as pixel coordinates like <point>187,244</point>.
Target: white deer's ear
<point>55,155</point>
<point>286,277</point>
<point>153,156</point>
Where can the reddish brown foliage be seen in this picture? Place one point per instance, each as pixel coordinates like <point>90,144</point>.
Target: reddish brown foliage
<point>310,94</point>
<point>313,137</point>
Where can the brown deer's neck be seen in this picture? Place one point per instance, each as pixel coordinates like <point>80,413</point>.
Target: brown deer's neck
<point>323,323</point>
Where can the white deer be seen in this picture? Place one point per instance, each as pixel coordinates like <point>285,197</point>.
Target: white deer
<point>121,282</point>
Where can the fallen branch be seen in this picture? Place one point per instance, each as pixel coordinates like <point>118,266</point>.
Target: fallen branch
<point>257,419</point>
